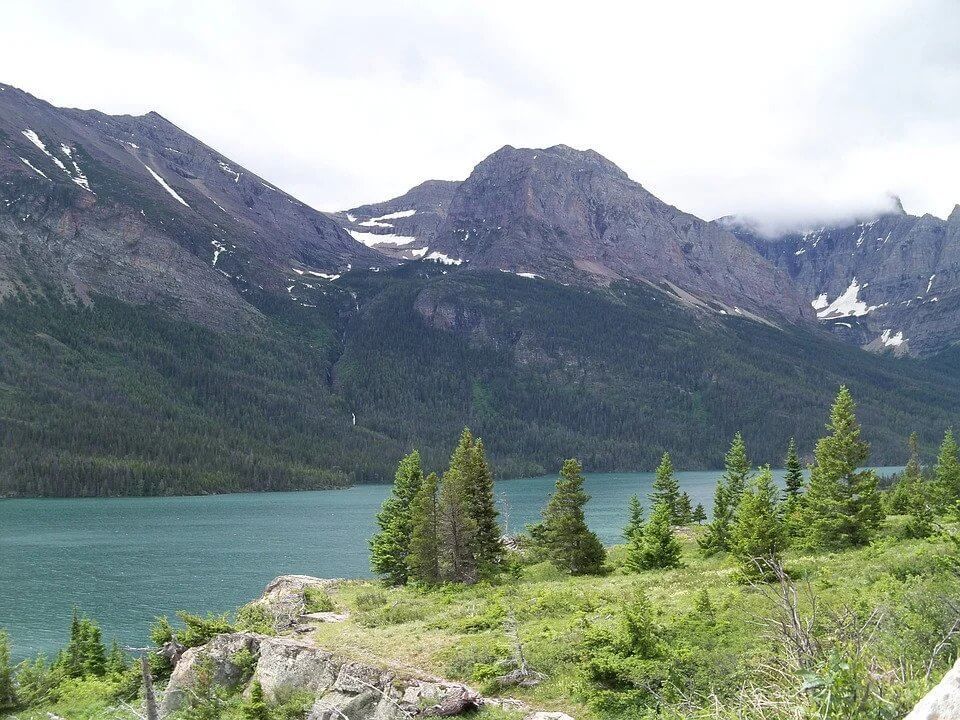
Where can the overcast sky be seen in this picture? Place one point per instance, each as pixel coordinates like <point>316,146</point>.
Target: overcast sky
<point>809,111</point>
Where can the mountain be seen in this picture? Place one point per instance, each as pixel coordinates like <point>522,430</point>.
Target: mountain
<point>136,209</point>
<point>573,216</point>
<point>171,322</point>
<point>403,226</point>
<point>889,283</point>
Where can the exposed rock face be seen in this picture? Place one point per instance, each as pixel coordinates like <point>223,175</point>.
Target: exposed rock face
<point>284,598</point>
<point>943,702</point>
<point>137,209</point>
<point>221,651</point>
<point>574,216</point>
<point>402,226</point>
<point>889,283</point>
<point>343,688</point>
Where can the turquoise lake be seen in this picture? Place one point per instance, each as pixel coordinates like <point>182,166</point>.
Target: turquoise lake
<point>124,561</point>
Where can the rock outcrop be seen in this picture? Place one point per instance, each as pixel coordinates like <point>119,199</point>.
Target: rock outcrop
<point>943,702</point>
<point>343,688</point>
<point>221,652</point>
<point>284,598</point>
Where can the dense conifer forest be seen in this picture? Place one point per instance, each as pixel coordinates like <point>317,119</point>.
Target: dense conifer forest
<point>117,400</point>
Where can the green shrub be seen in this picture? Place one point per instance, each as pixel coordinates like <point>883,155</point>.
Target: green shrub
<point>255,618</point>
<point>316,599</point>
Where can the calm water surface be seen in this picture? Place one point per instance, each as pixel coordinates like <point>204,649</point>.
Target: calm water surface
<point>125,560</point>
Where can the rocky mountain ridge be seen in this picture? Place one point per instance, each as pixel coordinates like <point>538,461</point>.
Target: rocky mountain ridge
<point>890,283</point>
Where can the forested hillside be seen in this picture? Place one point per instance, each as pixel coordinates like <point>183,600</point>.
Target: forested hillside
<point>115,399</point>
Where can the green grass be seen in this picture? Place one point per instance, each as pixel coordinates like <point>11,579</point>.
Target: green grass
<point>460,633</point>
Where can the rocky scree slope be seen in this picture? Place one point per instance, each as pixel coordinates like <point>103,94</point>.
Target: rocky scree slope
<point>134,208</point>
<point>889,283</point>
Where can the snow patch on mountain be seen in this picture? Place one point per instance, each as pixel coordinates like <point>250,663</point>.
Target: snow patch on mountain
<point>372,239</point>
<point>890,340</point>
<point>378,221</point>
<point>846,305</point>
<point>163,184</point>
<point>441,258</point>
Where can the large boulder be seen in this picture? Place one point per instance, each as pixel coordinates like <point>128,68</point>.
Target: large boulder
<point>943,702</point>
<point>284,598</point>
<point>222,651</point>
<point>287,664</point>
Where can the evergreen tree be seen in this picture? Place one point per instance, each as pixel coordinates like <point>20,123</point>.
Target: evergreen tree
<point>758,536</point>
<point>483,508</point>
<point>567,541</point>
<point>703,607</point>
<point>657,547</point>
<point>794,478</point>
<point>666,490</point>
<point>255,708</point>
<point>684,509</point>
<point>736,469</point>
<point>842,504</point>
<point>635,519</point>
<point>85,654</point>
<point>726,497</point>
<point>901,498</point>
<point>920,514</point>
<point>424,558</point>
<point>8,689</point>
<point>390,547</point>
<point>699,514</point>
<point>946,473</point>
<point>457,529</point>
<point>116,663</point>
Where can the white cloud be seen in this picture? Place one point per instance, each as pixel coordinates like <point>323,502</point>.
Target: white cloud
<point>758,108</point>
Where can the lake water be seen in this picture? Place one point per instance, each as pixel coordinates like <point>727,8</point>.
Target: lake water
<point>124,561</point>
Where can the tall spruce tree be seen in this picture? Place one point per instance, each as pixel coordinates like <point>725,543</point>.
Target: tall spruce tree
<point>666,489</point>
<point>726,497</point>
<point>635,519</point>
<point>794,477</point>
<point>483,507</point>
<point>390,547</point>
<point>946,473</point>
<point>457,529</point>
<point>8,688</point>
<point>424,559</point>
<point>758,536</point>
<point>699,514</point>
<point>657,547</point>
<point>842,505</point>
<point>684,509</point>
<point>567,541</point>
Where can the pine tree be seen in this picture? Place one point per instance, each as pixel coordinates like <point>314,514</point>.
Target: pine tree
<point>666,490</point>
<point>657,547</point>
<point>8,688</point>
<point>424,558</point>
<point>726,497</point>
<point>758,536</point>
<point>116,663</point>
<point>255,708</point>
<point>794,478</point>
<point>699,514</point>
<point>684,509</point>
<point>842,504</point>
<point>567,541</point>
<point>390,547</point>
<point>901,498</point>
<point>635,519</point>
<point>920,514</point>
<point>946,473</point>
<point>737,469</point>
<point>483,508</point>
<point>457,529</point>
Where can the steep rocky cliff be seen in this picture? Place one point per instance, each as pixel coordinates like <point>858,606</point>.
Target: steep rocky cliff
<point>889,283</point>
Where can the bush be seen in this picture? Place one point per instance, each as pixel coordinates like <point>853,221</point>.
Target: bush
<point>316,599</point>
<point>255,618</point>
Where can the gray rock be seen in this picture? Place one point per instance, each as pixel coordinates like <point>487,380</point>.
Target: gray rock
<point>284,598</point>
<point>290,665</point>
<point>221,650</point>
<point>903,271</point>
<point>943,702</point>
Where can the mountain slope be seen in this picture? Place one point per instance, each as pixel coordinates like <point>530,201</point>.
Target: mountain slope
<point>136,209</point>
<point>889,283</point>
<point>575,217</point>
